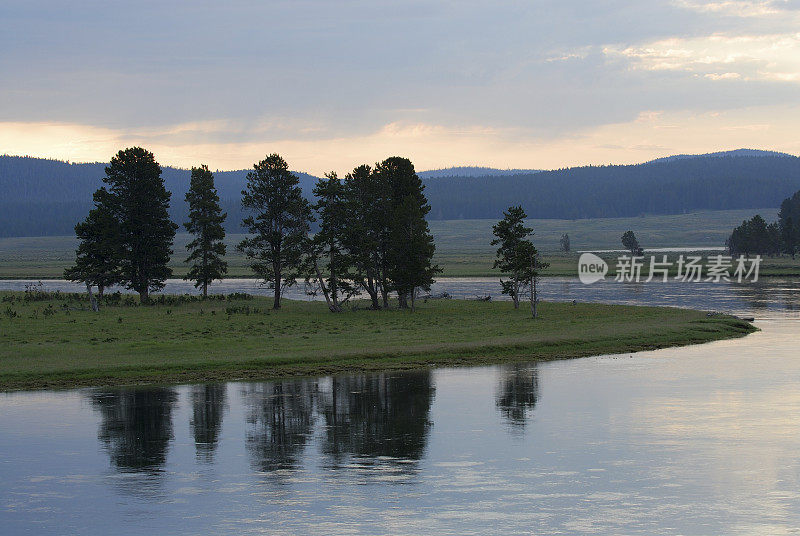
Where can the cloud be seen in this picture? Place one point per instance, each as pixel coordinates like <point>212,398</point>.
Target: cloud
<point>513,84</point>
<point>737,8</point>
<point>723,76</point>
<point>773,57</point>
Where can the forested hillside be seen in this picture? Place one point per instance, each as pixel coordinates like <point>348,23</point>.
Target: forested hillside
<point>658,187</point>
<point>47,197</point>
<point>472,171</point>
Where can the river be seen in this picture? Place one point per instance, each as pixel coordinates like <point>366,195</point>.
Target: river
<point>696,440</point>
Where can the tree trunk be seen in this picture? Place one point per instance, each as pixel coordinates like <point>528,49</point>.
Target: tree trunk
<point>100,290</point>
<point>402,300</point>
<point>276,300</point>
<point>532,284</point>
<point>384,295</point>
<point>277,275</point>
<point>413,299</point>
<point>205,267</point>
<point>334,287</point>
<point>93,301</point>
<point>332,306</point>
<point>383,282</point>
<point>515,297</point>
<point>373,293</point>
<point>144,296</point>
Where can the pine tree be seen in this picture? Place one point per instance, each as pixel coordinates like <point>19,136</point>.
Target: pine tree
<point>279,222</point>
<point>207,250</point>
<point>789,222</point>
<point>366,202</point>
<point>630,243</point>
<point>532,274</point>
<point>140,203</point>
<point>98,254</point>
<point>329,242</point>
<point>383,181</point>
<point>565,245</point>
<point>408,250</point>
<point>412,249</point>
<point>513,253</point>
<point>518,257</point>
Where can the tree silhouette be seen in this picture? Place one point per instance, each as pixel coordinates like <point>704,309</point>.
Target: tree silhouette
<point>630,243</point>
<point>279,221</point>
<point>207,250</point>
<point>140,202</point>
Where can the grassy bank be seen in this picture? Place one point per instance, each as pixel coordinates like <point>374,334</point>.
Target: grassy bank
<point>463,247</point>
<point>57,342</point>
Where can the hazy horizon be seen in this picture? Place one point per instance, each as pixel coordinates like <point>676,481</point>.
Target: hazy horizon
<point>444,168</point>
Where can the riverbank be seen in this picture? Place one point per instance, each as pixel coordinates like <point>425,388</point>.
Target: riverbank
<point>56,342</point>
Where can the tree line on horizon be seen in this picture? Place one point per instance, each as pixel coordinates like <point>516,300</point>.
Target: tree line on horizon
<point>372,232</point>
<point>757,237</point>
<point>45,197</point>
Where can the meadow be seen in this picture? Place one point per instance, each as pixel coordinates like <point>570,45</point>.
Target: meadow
<point>54,340</point>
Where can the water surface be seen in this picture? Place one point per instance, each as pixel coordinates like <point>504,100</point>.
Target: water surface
<point>697,440</point>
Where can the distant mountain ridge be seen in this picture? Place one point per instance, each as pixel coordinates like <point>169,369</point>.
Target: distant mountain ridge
<point>472,171</point>
<point>48,197</point>
<point>720,154</point>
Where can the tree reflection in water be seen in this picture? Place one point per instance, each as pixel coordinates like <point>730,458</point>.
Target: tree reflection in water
<point>377,424</point>
<point>280,420</point>
<point>368,419</point>
<point>208,408</point>
<point>136,426</point>
<point>136,429</point>
<point>377,416</point>
<point>517,392</point>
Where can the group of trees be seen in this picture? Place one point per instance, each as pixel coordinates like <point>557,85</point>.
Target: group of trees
<point>757,237</point>
<point>372,237</point>
<point>127,237</point>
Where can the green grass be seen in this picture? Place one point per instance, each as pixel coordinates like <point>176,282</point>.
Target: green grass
<point>57,342</point>
<point>462,246</point>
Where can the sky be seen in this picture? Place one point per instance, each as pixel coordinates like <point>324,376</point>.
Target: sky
<point>331,85</point>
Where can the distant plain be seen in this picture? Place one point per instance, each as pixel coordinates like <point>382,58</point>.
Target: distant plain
<point>463,247</point>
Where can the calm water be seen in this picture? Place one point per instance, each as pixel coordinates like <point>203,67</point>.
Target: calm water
<point>699,440</point>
